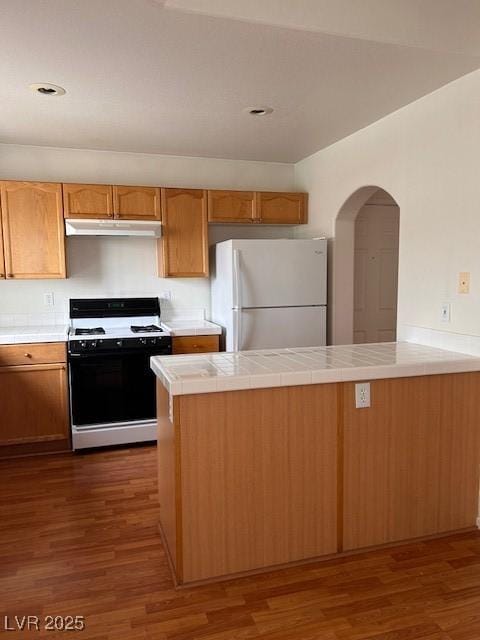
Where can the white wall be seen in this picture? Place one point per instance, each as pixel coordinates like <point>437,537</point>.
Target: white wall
<point>125,266</point>
<point>427,156</point>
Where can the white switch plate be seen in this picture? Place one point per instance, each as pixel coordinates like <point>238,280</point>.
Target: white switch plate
<point>362,395</point>
<point>167,295</point>
<point>49,299</point>
<point>445,312</point>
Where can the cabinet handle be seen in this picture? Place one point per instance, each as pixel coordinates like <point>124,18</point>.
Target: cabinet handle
<point>10,275</point>
<point>27,355</point>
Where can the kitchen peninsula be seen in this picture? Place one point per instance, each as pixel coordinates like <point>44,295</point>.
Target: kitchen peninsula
<point>264,459</point>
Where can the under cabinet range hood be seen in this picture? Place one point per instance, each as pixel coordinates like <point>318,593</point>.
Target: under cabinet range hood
<point>94,227</point>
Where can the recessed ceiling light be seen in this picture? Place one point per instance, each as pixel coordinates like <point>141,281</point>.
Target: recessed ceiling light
<point>47,89</point>
<point>259,111</point>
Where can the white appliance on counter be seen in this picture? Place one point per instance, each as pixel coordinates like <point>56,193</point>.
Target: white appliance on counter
<point>270,293</point>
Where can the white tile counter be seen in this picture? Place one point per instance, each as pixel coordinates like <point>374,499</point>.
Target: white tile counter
<point>26,335</point>
<point>207,373</point>
<point>192,328</point>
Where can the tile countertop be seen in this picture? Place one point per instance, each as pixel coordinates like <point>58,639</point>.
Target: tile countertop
<point>192,328</point>
<point>27,335</point>
<point>207,373</point>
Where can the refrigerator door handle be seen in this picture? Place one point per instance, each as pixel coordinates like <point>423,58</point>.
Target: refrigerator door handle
<point>237,293</point>
<point>237,302</point>
<point>237,329</point>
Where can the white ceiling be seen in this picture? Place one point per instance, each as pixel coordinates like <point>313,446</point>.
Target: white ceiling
<point>175,79</point>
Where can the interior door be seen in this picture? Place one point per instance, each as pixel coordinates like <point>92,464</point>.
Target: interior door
<point>376,274</point>
<point>282,328</point>
<point>281,273</point>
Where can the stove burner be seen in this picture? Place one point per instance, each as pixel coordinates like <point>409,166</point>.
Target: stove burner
<point>150,328</point>
<point>89,332</point>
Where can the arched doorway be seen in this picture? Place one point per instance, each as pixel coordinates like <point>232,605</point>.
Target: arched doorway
<point>365,268</point>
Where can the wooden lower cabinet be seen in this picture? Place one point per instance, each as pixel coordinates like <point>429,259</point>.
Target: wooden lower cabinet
<point>412,459</point>
<point>195,344</point>
<point>247,479</point>
<point>33,401</point>
<point>255,478</point>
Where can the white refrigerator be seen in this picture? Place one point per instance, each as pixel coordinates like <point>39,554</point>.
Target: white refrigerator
<point>269,294</point>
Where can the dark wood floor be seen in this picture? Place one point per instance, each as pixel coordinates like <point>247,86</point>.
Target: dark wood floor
<point>78,536</point>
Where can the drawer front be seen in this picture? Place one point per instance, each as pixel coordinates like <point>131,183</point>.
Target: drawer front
<point>195,344</point>
<point>37,353</point>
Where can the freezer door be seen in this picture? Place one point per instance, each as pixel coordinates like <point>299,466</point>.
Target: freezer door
<point>281,273</point>
<point>282,327</point>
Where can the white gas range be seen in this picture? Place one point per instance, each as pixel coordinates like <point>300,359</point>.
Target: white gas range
<point>112,389</point>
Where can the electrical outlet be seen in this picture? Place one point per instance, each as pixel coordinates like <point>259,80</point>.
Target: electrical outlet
<point>445,312</point>
<point>362,395</point>
<point>49,299</point>
<point>464,282</point>
<point>167,295</point>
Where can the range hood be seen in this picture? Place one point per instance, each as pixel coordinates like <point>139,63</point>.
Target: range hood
<point>94,227</point>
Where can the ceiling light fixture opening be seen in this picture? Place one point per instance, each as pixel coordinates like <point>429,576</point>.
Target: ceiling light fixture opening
<point>260,111</point>
<point>47,89</point>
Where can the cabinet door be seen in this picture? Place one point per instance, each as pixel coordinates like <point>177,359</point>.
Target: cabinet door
<point>183,247</point>
<point>87,201</point>
<point>136,203</point>
<point>231,206</point>
<point>2,256</point>
<point>33,230</point>
<point>411,459</point>
<point>281,208</point>
<point>195,344</point>
<point>34,404</point>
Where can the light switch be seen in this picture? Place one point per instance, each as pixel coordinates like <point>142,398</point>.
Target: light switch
<point>464,282</point>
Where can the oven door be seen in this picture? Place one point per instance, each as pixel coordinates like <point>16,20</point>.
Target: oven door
<point>110,388</point>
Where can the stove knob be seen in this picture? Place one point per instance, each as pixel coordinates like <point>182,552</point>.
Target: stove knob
<point>143,341</point>
<point>83,344</point>
<point>153,341</point>
<point>93,344</point>
<point>119,343</point>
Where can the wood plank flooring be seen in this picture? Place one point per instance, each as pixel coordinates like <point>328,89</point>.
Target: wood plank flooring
<point>78,536</point>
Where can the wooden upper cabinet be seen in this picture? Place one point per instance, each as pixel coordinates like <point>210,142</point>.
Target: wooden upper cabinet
<point>2,255</point>
<point>281,208</point>
<point>183,247</point>
<point>33,232</point>
<point>87,201</point>
<point>137,203</point>
<point>231,206</point>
